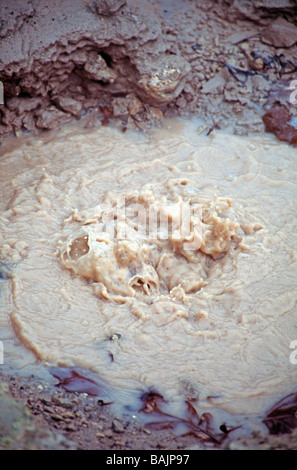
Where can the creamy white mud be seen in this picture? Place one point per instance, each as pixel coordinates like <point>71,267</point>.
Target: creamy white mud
<point>202,309</point>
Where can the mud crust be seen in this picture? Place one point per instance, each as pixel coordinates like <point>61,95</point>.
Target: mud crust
<point>220,61</point>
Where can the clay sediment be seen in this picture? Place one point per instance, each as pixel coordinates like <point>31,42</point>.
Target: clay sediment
<point>52,73</point>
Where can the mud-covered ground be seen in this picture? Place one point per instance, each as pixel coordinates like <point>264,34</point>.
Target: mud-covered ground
<point>239,59</point>
<point>36,415</point>
<point>225,61</point>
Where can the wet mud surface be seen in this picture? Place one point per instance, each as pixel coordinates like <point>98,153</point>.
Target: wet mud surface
<point>232,64</point>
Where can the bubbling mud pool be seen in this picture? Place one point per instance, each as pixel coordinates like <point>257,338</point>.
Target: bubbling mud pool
<point>164,261</point>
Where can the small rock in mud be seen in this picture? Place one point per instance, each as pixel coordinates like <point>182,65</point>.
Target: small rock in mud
<point>279,121</point>
<point>63,402</point>
<point>105,7</point>
<point>115,337</point>
<point>117,426</point>
<point>280,33</point>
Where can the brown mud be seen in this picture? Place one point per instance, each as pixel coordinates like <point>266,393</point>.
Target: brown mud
<point>227,63</point>
<point>221,60</point>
